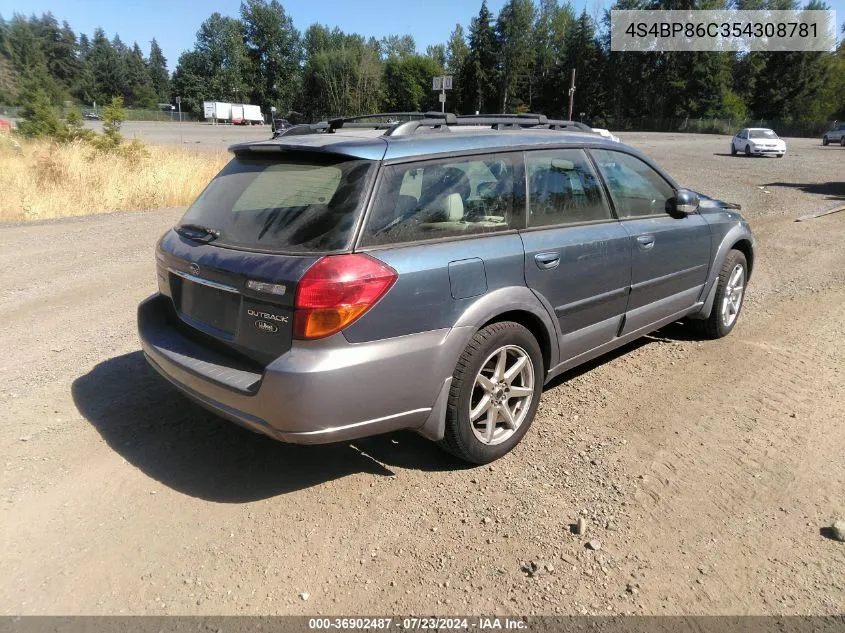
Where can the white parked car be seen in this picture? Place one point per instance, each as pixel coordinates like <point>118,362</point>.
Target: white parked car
<point>606,134</point>
<point>758,141</point>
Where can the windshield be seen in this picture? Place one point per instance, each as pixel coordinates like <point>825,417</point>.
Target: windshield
<point>283,203</point>
<point>762,134</point>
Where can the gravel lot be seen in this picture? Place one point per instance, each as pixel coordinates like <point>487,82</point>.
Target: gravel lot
<point>707,472</point>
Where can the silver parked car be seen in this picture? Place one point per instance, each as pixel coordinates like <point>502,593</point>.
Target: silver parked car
<point>430,274</point>
<point>836,135</point>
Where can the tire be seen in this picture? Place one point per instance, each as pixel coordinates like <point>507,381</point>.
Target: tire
<point>826,141</point>
<point>733,149</point>
<point>717,325</point>
<point>748,150</point>
<point>462,438</point>
<point>842,140</point>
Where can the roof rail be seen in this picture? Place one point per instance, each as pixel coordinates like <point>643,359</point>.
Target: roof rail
<point>438,121</point>
<point>526,120</point>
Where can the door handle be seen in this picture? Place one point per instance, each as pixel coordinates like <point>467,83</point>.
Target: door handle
<point>547,261</point>
<point>645,241</point>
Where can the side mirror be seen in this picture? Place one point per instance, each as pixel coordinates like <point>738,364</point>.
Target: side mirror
<point>684,203</point>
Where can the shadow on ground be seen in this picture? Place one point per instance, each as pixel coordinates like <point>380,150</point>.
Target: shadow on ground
<point>831,190</point>
<point>171,439</point>
<point>677,331</point>
<point>174,441</point>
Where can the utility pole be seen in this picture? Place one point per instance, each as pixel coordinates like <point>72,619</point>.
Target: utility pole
<point>571,94</point>
<point>179,104</point>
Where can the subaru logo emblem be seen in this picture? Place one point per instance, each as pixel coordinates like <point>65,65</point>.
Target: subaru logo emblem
<point>264,326</point>
<point>195,269</point>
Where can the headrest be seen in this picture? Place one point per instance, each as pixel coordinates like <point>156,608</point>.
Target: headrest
<point>450,208</point>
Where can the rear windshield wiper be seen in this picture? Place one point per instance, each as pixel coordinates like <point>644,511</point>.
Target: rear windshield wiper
<point>197,232</point>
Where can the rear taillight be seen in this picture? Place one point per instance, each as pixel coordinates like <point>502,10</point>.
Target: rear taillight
<point>337,290</point>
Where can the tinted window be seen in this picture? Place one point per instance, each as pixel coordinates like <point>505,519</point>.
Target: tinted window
<point>563,189</point>
<point>637,190</point>
<point>288,204</point>
<point>434,199</point>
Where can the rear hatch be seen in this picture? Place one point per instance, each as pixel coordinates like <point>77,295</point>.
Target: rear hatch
<point>231,265</point>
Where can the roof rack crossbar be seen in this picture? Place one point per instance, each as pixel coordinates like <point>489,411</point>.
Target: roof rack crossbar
<point>441,122</point>
<point>360,119</point>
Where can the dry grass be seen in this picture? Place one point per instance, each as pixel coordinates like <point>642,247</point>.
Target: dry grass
<point>41,180</point>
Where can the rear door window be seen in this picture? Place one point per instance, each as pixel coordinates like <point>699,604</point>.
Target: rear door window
<point>285,204</point>
<point>445,198</point>
<point>563,189</point>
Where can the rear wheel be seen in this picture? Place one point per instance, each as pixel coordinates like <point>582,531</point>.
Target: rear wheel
<point>733,149</point>
<point>494,395</point>
<point>842,140</point>
<point>730,292</point>
<point>748,150</point>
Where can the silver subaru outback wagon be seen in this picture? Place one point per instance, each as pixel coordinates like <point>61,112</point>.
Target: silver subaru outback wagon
<point>431,273</point>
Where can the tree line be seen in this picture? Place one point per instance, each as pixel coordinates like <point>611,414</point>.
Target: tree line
<point>517,61</point>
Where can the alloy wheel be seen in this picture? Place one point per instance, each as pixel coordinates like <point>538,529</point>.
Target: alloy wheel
<point>501,395</point>
<point>732,301</point>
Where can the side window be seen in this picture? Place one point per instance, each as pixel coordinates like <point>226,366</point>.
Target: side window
<point>444,198</point>
<point>563,189</point>
<point>637,190</point>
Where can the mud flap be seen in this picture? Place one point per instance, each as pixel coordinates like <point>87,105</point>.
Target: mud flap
<point>434,428</point>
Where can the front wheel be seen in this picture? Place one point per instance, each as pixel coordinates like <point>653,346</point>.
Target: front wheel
<point>842,140</point>
<point>748,150</point>
<point>826,141</point>
<point>494,395</point>
<point>730,292</point>
<point>733,149</point>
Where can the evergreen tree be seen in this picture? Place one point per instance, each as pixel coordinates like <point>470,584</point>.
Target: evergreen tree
<point>159,76</point>
<point>584,54</point>
<point>107,67</point>
<point>457,53</point>
<point>516,53</point>
<point>478,78</point>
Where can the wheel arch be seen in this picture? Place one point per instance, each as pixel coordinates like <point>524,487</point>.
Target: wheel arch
<point>520,305</point>
<point>534,325</point>
<point>744,246</point>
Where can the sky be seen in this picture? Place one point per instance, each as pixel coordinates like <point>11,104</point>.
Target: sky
<point>174,23</point>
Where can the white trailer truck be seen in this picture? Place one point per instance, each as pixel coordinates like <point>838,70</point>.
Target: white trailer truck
<point>217,111</point>
<point>252,114</point>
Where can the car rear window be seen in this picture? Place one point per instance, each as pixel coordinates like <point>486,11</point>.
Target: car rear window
<point>285,203</point>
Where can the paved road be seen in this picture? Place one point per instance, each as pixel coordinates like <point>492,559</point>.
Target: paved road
<point>200,135</point>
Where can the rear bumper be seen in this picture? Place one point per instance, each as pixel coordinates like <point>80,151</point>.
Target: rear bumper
<point>319,391</point>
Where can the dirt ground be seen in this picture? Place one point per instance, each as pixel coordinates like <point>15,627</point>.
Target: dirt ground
<point>707,471</point>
